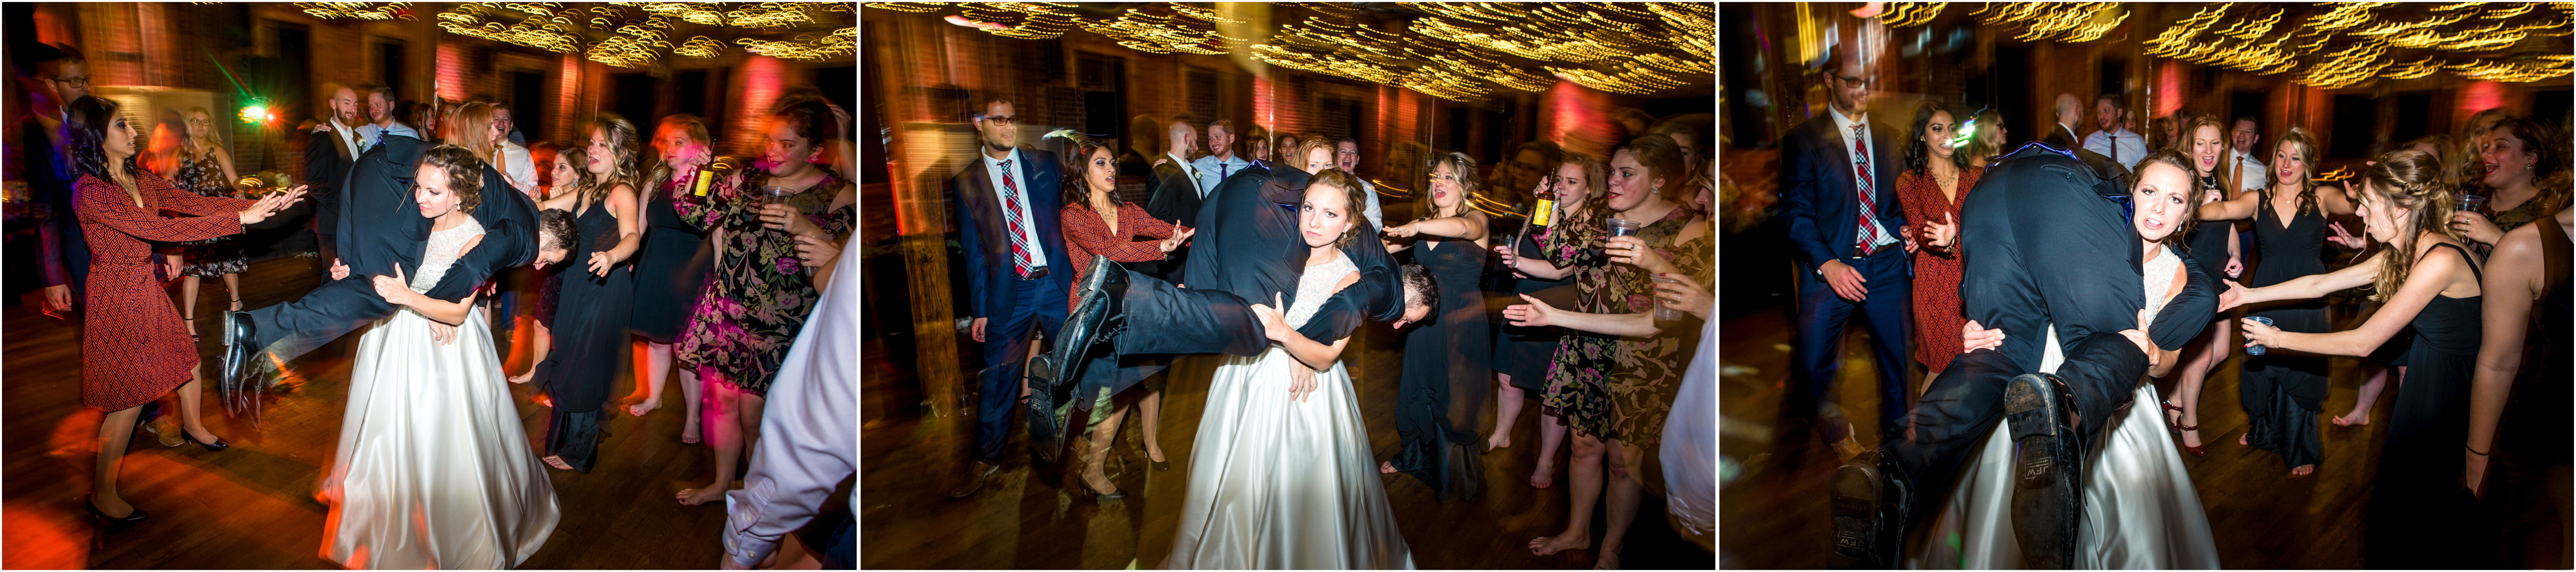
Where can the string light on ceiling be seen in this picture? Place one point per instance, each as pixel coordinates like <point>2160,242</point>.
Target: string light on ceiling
<point>700,47</point>
<point>1191,32</point>
<point>2071,22</point>
<point>1903,14</point>
<point>358,10</point>
<point>2367,39</point>
<point>638,34</point>
<point>806,48</point>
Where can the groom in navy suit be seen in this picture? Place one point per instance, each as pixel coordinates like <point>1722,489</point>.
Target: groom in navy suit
<point>1016,269</point>
<point>1838,174</point>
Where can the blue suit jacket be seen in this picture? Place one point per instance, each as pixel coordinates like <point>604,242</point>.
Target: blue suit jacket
<point>988,243</point>
<point>1816,182</point>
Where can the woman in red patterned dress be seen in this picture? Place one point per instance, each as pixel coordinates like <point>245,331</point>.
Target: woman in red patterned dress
<point>1936,180</point>
<point>134,349</point>
<point>1097,223</point>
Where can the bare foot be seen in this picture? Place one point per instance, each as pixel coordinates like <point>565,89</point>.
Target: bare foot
<point>2240,439</point>
<point>1385,468</point>
<point>2303,470</point>
<point>1545,476</point>
<point>695,497</point>
<point>647,406</point>
<point>1571,540</point>
<point>689,434</point>
<point>524,376</point>
<point>1609,560</point>
<point>1500,440</point>
<point>2356,418</point>
<point>556,461</point>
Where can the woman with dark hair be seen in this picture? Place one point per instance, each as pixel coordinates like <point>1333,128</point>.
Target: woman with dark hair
<point>673,264</point>
<point>132,350</point>
<point>206,169</point>
<point>2428,280</point>
<point>569,182</point>
<point>2213,247</point>
<point>757,294</point>
<point>598,294</point>
<point>2525,163</point>
<point>1446,359</point>
<point>1935,182</point>
<point>1097,223</point>
<point>2283,394</point>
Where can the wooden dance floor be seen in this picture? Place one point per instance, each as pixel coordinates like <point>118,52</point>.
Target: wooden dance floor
<point>253,506</point>
<point>1775,515</point>
<point>1038,515</point>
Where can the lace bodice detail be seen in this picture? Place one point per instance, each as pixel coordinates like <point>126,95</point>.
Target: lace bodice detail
<point>2159,279</point>
<point>442,253</point>
<point>1315,286</point>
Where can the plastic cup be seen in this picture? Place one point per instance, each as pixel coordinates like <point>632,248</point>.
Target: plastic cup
<point>1624,227</point>
<point>1663,311</point>
<point>771,195</point>
<point>2472,204</point>
<point>2257,349</point>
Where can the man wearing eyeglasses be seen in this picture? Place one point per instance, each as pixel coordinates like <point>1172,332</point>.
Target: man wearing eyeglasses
<point>1008,200</point>
<point>62,76</point>
<point>1838,171</point>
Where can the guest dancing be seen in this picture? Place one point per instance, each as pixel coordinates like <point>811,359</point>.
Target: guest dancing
<point>1523,356</point>
<point>2516,445</point>
<point>2524,161</point>
<point>2430,281</point>
<point>132,350</point>
<point>2214,248</point>
<point>757,294</point>
<point>570,180</point>
<point>2284,393</point>
<point>206,169</point>
<point>598,295</point>
<point>1446,357</point>
<point>1937,178</point>
<point>1097,223</point>
<point>672,268</point>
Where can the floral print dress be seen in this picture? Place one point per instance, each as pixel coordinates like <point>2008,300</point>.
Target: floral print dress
<point>757,294</point>
<point>1577,377</point>
<point>213,257</point>
<point>1650,368</point>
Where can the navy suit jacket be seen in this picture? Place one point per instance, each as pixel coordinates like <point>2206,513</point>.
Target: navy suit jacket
<point>987,241</point>
<point>1817,185</point>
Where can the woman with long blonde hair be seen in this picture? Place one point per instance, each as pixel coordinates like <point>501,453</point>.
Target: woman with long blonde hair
<point>598,293</point>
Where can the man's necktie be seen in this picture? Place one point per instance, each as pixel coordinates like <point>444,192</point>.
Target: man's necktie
<point>1867,238</point>
<point>1222,170</point>
<point>1011,217</point>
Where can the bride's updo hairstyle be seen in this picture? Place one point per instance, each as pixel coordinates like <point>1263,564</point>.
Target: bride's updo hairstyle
<point>2410,180</point>
<point>2191,189</point>
<point>1352,191</point>
<point>464,173</point>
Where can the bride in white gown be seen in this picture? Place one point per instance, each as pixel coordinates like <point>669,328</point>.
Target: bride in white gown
<point>434,468</point>
<point>2140,510</point>
<point>1282,475</point>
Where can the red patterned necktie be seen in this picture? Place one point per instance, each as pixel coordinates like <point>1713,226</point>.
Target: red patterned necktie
<point>1867,238</point>
<point>1011,217</point>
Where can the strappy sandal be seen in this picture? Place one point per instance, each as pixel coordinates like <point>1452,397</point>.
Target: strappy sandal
<point>2177,428</point>
<point>192,329</point>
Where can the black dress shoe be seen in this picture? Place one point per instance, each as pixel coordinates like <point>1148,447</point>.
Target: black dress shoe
<point>2048,485</point>
<point>239,358</point>
<point>218,446</point>
<point>1162,465</point>
<point>975,478</point>
<point>113,522</point>
<point>1872,502</point>
<point>1096,319</point>
<point>1047,416</point>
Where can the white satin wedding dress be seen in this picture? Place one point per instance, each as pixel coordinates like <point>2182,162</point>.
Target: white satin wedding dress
<point>2140,511</point>
<point>1277,483</point>
<point>434,468</point>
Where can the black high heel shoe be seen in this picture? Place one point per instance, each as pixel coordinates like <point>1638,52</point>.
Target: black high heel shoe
<point>112,522</point>
<point>216,447</point>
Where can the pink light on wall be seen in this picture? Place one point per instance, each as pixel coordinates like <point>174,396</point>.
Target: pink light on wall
<point>451,72</point>
<point>1578,120</point>
<point>2168,89</point>
<point>763,77</point>
<point>567,97</point>
<point>1262,114</point>
<point>2480,96</point>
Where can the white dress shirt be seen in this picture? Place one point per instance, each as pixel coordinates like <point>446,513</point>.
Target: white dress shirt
<point>518,167</point>
<point>1188,169</point>
<point>2257,175</point>
<point>1371,191</point>
<point>1028,215</point>
<point>1843,126</point>
<point>348,137</point>
<point>2121,145</point>
<point>810,432</point>
<point>1212,171</point>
